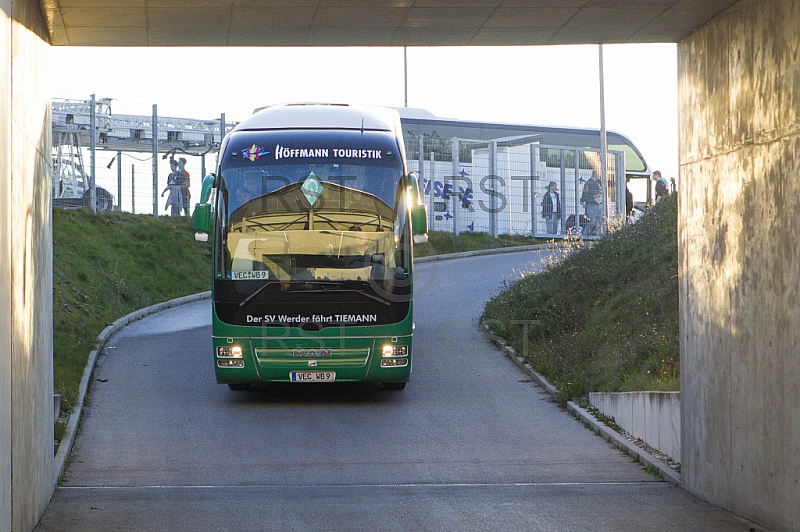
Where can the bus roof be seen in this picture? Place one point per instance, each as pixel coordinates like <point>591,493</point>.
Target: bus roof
<point>322,116</point>
<point>580,138</point>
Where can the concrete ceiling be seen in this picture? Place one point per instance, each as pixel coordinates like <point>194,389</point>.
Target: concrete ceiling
<point>373,22</point>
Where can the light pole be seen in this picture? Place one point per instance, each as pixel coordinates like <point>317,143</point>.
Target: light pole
<point>603,142</point>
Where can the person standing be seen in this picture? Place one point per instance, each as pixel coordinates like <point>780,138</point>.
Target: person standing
<point>628,200</point>
<point>591,199</point>
<point>662,188</point>
<point>184,183</point>
<point>551,208</point>
<point>174,200</point>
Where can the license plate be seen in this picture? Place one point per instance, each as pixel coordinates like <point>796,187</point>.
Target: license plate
<point>312,376</point>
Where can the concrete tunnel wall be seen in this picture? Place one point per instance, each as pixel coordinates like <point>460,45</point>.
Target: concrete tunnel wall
<point>26,300</point>
<point>739,94</point>
<point>739,245</point>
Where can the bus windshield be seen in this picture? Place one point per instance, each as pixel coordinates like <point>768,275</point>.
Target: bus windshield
<point>327,216</point>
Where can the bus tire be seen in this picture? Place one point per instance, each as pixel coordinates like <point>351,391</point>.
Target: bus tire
<point>239,386</point>
<point>394,385</point>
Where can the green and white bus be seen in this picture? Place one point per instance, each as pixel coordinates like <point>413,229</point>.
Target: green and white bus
<point>312,216</point>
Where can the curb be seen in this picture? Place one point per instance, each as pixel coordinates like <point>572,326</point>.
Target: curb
<point>479,252</point>
<point>65,447</point>
<point>585,417</point>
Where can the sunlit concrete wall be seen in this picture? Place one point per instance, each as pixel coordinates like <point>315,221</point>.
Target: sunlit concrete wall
<point>739,240</point>
<point>5,266</point>
<point>26,346</point>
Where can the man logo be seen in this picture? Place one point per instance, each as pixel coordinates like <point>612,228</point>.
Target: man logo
<point>311,353</point>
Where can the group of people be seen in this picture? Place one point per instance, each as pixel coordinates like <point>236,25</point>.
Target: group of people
<point>178,188</point>
<point>591,200</point>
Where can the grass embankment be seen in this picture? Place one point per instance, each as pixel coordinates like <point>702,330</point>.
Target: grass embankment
<point>107,265</point>
<point>607,314</point>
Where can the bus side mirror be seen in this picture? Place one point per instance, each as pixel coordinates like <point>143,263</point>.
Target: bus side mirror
<point>202,211</point>
<point>416,190</point>
<point>202,221</point>
<point>419,211</point>
<point>208,184</point>
<point>419,223</point>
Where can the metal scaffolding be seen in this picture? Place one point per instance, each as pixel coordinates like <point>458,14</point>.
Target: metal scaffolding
<point>73,125</point>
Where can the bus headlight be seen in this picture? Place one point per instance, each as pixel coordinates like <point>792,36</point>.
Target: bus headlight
<point>395,351</point>
<point>229,351</point>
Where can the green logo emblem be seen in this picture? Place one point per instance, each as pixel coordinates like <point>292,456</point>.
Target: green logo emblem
<point>312,188</point>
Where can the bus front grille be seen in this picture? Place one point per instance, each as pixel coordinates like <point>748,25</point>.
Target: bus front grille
<point>331,357</point>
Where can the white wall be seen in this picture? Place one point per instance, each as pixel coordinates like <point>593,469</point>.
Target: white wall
<point>654,417</point>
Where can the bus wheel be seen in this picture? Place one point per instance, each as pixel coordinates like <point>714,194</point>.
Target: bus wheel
<point>239,386</point>
<point>394,385</point>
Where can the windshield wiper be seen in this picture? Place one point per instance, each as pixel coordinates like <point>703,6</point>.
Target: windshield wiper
<point>256,292</point>
<point>364,293</point>
<point>325,286</point>
<point>328,287</point>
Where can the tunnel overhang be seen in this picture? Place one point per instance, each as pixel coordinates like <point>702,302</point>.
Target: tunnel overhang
<point>374,23</point>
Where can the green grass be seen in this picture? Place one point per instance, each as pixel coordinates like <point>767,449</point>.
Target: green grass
<point>607,314</point>
<point>107,265</point>
<point>440,243</point>
<point>605,318</point>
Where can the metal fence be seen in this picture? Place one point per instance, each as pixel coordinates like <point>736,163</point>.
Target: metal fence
<point>127,157</point>
<point>492,186</point>
<point>498,186</point>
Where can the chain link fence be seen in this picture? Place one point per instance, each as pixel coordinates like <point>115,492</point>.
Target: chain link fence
<point>500,186</point>
<point>128,158</point>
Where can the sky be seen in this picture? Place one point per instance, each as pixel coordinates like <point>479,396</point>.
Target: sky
<point>541,85</point>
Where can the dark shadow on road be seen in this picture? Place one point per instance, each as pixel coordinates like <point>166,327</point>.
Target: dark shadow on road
<point>343,393</point>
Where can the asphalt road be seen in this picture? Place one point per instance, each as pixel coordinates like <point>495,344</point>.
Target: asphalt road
<point>470,444</point>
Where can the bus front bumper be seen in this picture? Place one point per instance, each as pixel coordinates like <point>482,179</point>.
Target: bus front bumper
<point>305,360</point>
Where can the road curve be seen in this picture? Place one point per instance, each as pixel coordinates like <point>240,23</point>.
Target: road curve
<point>470,444</point>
